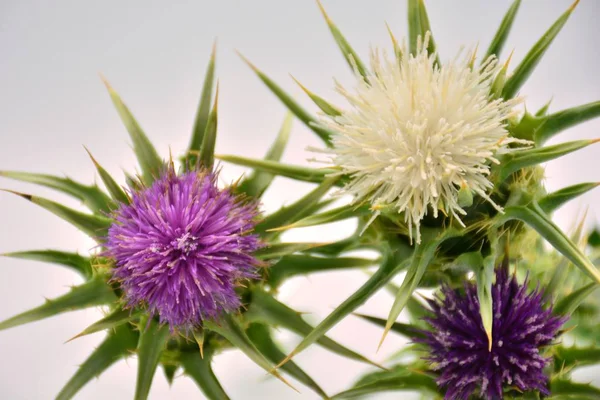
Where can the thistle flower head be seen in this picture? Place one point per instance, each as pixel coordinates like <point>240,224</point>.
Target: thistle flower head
<point>459,345</point>
<point>182,246</point>
<point>418,132</point>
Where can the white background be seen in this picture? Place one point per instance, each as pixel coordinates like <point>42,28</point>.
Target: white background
<point>155,53</point>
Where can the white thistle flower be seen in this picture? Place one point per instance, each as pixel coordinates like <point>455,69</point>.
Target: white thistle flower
<point>417,133</point>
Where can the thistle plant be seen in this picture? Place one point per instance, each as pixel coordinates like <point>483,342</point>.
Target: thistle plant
<point>445,172</point>
<point>183,268</point>
<point>443,164</point>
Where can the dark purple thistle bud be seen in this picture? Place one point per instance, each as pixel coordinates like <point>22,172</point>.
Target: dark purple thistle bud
<point>182,246</point>
<point>459,347</point>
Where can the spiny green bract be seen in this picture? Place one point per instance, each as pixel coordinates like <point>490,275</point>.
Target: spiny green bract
<point>450,253</point>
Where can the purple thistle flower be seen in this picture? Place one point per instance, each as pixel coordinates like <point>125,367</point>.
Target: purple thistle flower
<point>459,348</point>
<point>182,246</point>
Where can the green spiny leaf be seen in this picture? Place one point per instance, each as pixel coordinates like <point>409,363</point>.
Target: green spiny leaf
<point>485,277</point>
<point>292,105</point>
<point>266,309</point>
<point>400,378</point>
<point>484,274</point>
<point>392,288</point>
<point>274,167</point>
<point>535,217</point>
<point>526,67</point>
<point>334,215</point>
<point>112,186</point>
<point>304,264</point>
<point>418,26</point>
<point>256,184</point>
<point>74,261</point>
<point>405,330</point>
<point>517,160</point>
<point>275,233</point>
<point>314,209</point>
<point>260,336</point>
<point>544,109</point>
<point>152,342</point>
<point>325,106</point>
<point>91,196</point>
<point>117,345</point>
<point>209,139</point>
<point>566,306</point>
<point>385,272</point>
<point>568,357</point>
<point>133,182</point>
<point>526,126</point>
<point>349,54</point>
<point>502,33</point>
<point>500,81</point>
<point>394,371</point>
<point>426,27</point>
<point>557,278</point>
<point>199,336</point>
<point>150,163</point>
<point>200,370</point>
<point>559,121</point>
<point>573,390</point>
<point>560,274</point>
<point>336,248</point>
<point>416,311</point>
<point>414,25</point>
<point>116,318</point>
<point>231,330</point>
<point>170,370</point>
<point>553,201</point>
<point>92,293</point>
<point>202,115</point>
<point>278,250</point>
<point>289,214</point>
<point>422,256</point>
<point>94,226</point>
